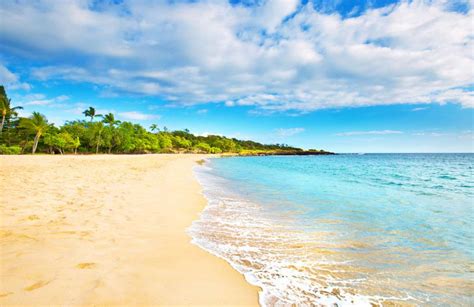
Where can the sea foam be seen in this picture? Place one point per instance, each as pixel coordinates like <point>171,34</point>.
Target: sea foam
<point>306,243</point>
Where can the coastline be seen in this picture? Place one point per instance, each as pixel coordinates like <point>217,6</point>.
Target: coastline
<point>107,230</point>
<point>195,228</point>
<point>291,227</point>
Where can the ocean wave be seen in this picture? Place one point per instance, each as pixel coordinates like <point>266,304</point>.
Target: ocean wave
<point>322,240</point>
<point>272,256</point>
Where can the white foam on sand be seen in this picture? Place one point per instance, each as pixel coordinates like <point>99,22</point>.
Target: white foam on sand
<point>268,254</point>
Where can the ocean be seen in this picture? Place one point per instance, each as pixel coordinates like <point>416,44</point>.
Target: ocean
<point>345,229</point>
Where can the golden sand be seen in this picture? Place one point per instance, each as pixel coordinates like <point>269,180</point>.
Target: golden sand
<point>83,230</point>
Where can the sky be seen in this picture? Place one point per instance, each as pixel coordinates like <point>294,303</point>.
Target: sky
<point>345,76</point>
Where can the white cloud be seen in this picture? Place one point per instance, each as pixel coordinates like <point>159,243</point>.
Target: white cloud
<point>286,132</point>
<point>467,135</point>
<point>372,132</point>
<point>435,134</point>
<point>205,134</point>
<point>134,115</point>
<point>11,80</point>
<point>41,100</point>
<point>76,110</point>
<point>271,14</point>
<point>7,76</point>
<point>465,98</point>
<point>274,57</point>
<point>419,109</point>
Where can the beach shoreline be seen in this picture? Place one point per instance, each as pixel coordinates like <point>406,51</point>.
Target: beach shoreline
<point>108,230</point>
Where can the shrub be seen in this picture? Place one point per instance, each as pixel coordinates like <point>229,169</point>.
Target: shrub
<point>216,150</point>
<point>203,147</point>
<point>10,150</point>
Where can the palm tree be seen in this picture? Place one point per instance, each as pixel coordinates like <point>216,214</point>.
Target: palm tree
<point>91,113</point>
<point>110,119</point>
<point>154,127</point>
<point>98,138</point>
<point>37,124</point>
<point>75,144</point>
<point>5,107</point>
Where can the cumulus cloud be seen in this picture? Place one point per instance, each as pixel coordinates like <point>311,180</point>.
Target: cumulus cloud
<point>286,132</point>
<point>134,115</point>
<point>276,56</point>
<point>271,13</point>
<point>372,132</point>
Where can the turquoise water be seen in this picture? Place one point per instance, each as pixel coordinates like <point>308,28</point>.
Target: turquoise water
<point>344,229</point>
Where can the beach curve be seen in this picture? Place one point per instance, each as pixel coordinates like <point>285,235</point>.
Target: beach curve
<point>108,230</point>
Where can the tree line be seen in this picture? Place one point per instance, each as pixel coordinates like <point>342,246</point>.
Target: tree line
<point>102,133</point>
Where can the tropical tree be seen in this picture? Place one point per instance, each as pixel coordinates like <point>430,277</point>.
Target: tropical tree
<point>62,141</point>
<point>165,142</point>
<point>5,107</point>
<point>97,130</point>
<point>76,142</point>
<point>37,124</point>
<point>203,147</point>
<point>110,119</point>
<point>181,143</point>
<point>109,133</point>
<point>91,113</point>
<point>154,127</point>
<point>216,150</point>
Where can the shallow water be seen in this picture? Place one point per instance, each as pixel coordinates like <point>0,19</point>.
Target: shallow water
<point>346,229</point>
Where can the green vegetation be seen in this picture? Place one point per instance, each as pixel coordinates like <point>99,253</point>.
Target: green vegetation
<point>6,109</point>
<point>36,124</point>
<point>10,150</point>
<point>104,134</point>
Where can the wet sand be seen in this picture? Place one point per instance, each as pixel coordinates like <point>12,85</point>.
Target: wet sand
<point>107,230</point>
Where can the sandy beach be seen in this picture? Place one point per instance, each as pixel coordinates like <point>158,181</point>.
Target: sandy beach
<point>107,230</point>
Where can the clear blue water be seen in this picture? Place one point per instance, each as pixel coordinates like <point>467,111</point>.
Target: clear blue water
<point>345,229</point>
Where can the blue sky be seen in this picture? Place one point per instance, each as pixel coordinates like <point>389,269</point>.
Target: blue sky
<point>347,76</point>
